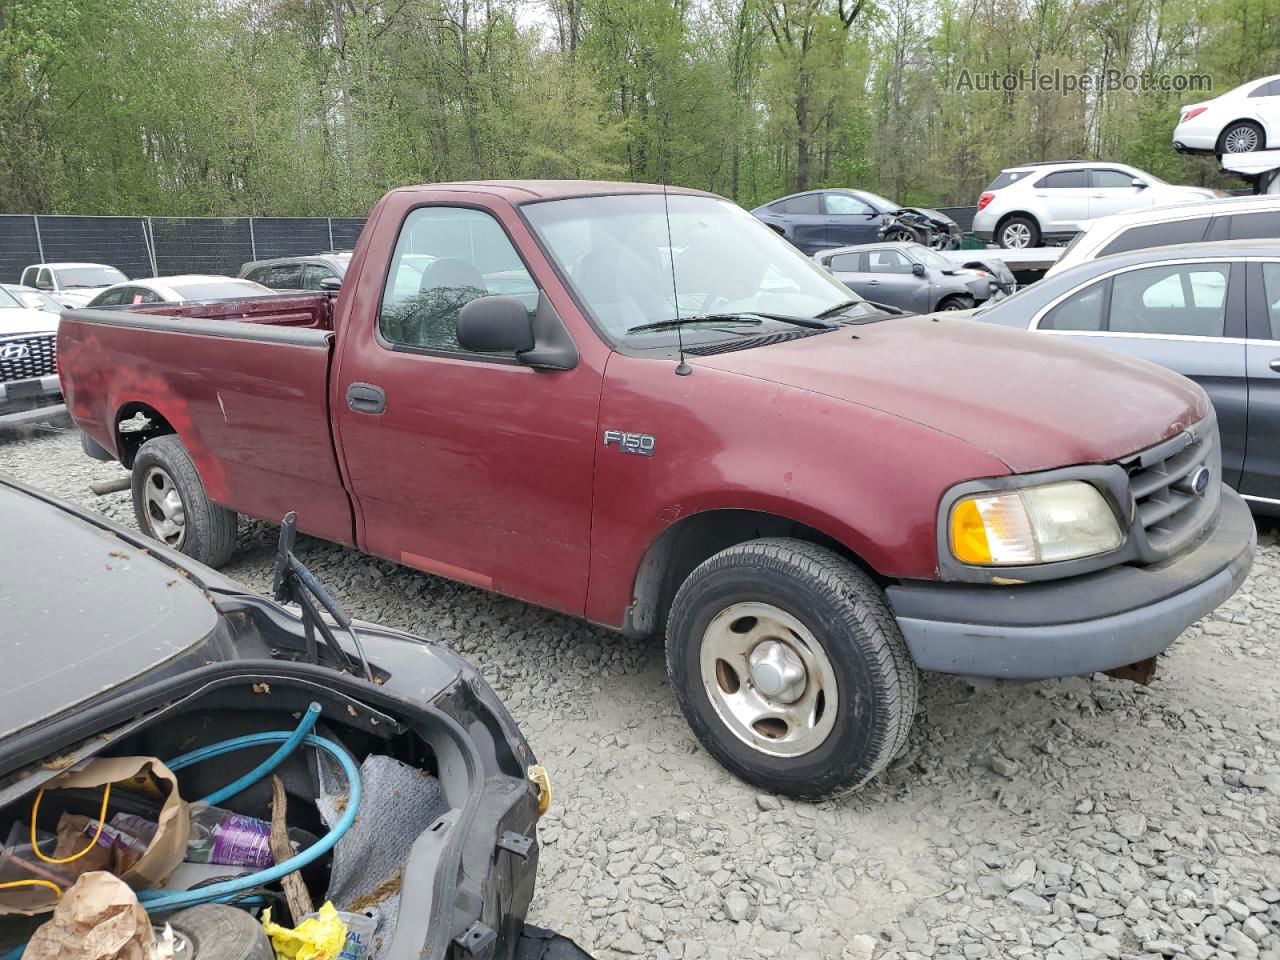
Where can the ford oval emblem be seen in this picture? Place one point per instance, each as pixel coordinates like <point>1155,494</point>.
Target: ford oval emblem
<point>14,351</point>
<point>1199,481</point>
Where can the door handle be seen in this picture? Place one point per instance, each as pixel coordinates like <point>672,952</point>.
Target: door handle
<point>872,283</point>
<point>366,398</point>
<point>1275,364</point>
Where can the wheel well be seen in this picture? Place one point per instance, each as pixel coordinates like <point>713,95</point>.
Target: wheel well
<point>954,296</point>
<point>1016,213</point>
<point>1250,121</point>
<point>688,542</point>
<point>136,423</point>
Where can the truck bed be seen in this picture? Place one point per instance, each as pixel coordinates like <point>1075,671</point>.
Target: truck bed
<point>246,378</point>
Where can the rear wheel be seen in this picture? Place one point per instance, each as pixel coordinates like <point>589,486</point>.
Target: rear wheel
<point>171,505</point>
<point>1018,233</point>
<point>790,668</point>
<point>1243,137</point>
<point>957,303</point>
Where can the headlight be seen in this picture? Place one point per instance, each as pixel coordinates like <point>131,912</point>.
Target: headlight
<point>1057,521</point>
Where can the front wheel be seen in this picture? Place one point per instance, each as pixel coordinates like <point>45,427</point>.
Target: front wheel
<point>171,505</point>
<point>790,669</point>
<point>957,302</point>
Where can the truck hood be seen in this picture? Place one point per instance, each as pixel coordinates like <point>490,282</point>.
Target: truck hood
<point>1032,401</point>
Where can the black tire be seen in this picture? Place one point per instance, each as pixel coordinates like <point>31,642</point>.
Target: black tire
<point>208,531</point>
<point>1242,137</point>
<point>957,302</point>
<point>219,932</point>
<point>1014,230</point>
<point>846,613</point>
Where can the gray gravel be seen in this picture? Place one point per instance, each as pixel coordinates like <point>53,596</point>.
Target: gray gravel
<point>1083,818</point>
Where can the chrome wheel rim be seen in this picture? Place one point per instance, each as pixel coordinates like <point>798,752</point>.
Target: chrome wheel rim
<point>1242,140</point>
<point>1017,236</point>
<point>768,679</point>
<point>166,516</point>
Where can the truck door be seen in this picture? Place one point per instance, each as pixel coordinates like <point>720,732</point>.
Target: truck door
<point>471,466</point>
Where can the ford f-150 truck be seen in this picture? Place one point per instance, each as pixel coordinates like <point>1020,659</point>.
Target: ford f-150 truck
<point>642,407</point>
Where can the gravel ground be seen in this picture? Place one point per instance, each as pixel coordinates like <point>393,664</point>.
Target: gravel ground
<point>1082,818</point>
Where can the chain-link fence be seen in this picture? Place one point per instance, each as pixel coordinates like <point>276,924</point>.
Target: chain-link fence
<point>166,246</point>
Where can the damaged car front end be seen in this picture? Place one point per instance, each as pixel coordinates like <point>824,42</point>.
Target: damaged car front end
<point>115,646</point>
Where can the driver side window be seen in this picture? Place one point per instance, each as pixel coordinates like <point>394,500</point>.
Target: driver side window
<point>444,258</point>
<point>888,261</point>
<point>843,205</point>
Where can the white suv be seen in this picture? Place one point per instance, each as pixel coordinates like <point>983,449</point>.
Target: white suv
<point>1046,202</point>
<point>1236,218</point>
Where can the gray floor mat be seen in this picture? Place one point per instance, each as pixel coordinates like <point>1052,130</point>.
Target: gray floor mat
<point>398,802</point>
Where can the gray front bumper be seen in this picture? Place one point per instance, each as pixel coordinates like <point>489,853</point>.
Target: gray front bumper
<point>1033,631</point>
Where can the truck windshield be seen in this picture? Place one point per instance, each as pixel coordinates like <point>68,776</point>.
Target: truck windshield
<point>618,255</point>
<point>89,276</point>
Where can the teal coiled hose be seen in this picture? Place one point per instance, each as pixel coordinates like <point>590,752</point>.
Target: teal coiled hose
<point>164,901</point>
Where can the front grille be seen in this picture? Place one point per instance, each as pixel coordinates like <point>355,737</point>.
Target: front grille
<point>1168,514</point>
<point>22,358</point>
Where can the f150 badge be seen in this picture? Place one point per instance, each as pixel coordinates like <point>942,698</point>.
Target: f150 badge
<point>638,443</point>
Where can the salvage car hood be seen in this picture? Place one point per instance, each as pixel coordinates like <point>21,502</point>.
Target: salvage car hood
<point>1031,401</point>
<point>81,611</point>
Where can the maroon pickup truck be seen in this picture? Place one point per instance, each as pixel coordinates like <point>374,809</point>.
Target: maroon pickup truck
<point>644,408</point>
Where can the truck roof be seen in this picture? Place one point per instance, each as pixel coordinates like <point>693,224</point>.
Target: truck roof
<point>528,191</point>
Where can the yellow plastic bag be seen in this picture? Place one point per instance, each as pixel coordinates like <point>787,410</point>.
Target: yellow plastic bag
<point>318,938</point>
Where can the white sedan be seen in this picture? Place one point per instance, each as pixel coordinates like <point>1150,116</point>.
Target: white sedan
<point>178,290</point>
<point>1240,121</point>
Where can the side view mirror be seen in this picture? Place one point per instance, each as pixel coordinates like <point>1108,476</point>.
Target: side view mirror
<point>331,283</point>
<point>495,324</point>
<point>918,269</point>
<point>44,285</point>
<point>502,323</point>
<point>1140,184</point>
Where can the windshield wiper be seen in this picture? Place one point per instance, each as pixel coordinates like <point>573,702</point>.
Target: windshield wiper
<point>736,316</point>
<point>842,305</point>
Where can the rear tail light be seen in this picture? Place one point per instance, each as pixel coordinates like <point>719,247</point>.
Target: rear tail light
<point>985,199</point>
<point>1192,113</point>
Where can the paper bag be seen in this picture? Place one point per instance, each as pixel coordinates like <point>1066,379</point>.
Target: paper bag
<point>99,918</point>
<point>166,850</point>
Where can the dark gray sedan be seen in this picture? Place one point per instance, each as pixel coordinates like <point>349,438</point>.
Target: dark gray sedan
<point>910,276</point>
<point>1210,311</point>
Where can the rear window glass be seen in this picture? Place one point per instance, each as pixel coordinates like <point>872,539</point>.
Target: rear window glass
<point>1255,226</point>
<point>845,262</point>
<point>222,290</point>
<point>1081,311</point>
<point>1065,179</point>
<point>810,203</point>
<point>1006,178</point>
<point>1158,235</point>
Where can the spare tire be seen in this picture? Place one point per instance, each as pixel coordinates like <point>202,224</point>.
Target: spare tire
<point>218,932</point>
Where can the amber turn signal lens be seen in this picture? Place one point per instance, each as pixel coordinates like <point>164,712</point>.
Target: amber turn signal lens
<point>969,534</point>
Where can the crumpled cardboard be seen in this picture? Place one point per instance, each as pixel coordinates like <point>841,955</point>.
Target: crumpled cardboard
<point>321,937</point>
<point>99,918</point>
<point>166,850</point>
